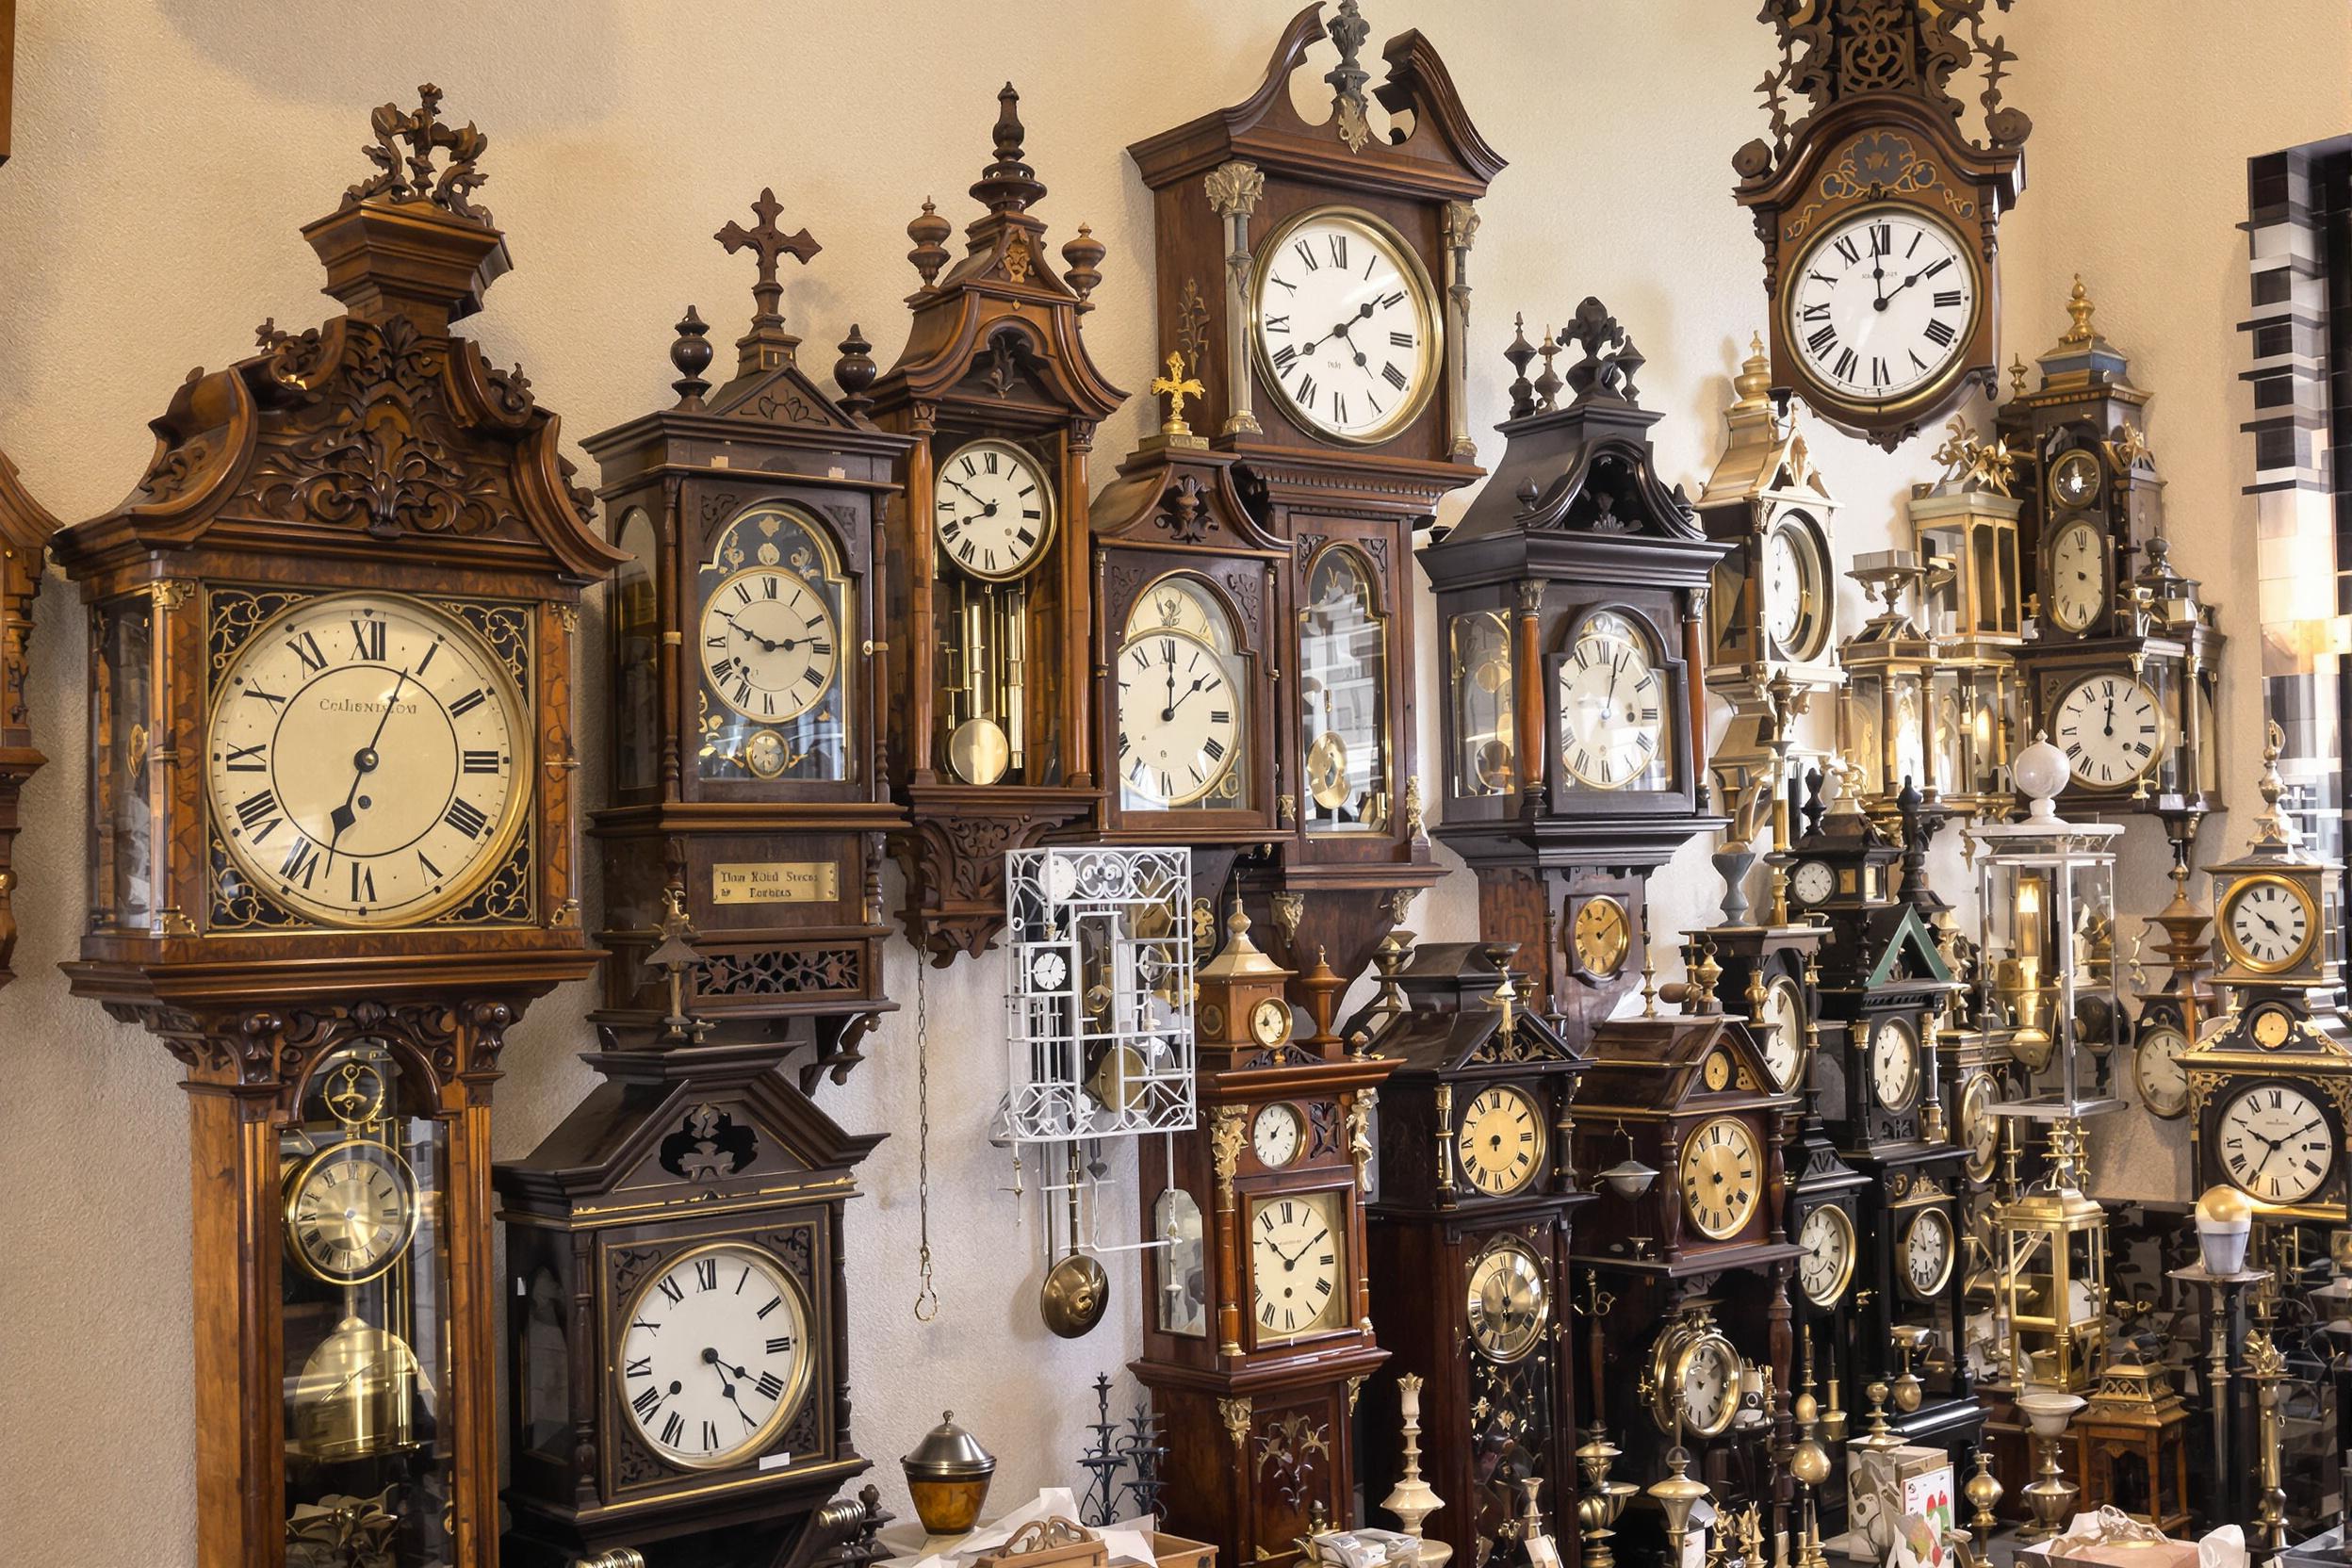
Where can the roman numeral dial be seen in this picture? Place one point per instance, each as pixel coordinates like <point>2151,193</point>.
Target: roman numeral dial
<point>2112,729</point>
<point>1880,309</point>
<point>1298,1272</point>
<point>349,1210</point>
<point>1722,1177</point>
<point>714,1358</point>
<point>1612,709</point>
<point>1499,1145</point>
<point>1344,326</point>
<point>991,510</point>
<point>769,645</point>
<point>367,762</point>
<point>2266,924</point>
<point>1181,706</point>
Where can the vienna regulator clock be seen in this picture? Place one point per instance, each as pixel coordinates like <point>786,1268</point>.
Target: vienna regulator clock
<point>1259,1339</point>
<point>25,529</point>
<point>1879,216</point>
<point>1315,277</point>
<point>333,856</point>
<point>992,745</point>
<point>1470,1243</point>
<point>747,678</point>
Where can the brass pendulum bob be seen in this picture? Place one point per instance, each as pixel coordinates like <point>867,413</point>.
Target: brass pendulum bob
<point>1909,1392</point>
<point>356,1396</point>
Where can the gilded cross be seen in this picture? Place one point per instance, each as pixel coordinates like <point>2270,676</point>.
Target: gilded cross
<point>1175,386</point>
<point>767,242</point>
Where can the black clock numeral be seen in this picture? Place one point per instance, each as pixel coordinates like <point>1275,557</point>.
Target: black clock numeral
<point>430,870</point>
<point>1339,408</point>
<point>709,1436</point>
<point>641,1367</point>
<point>781,1346</point>
<point>673,1430</point>
<point>307,648</point>
<point>774,1302</point>
<point>1306,254</point>
<point>1401,340</point>
<point>1306,391</point>
<point>648,1401</point>
<point>770,1387</point>
<point>1882,239</point>
<point>465,817</point>
<point>1339,251</point>
<point>270,698</point>
<point>259,813</point>
<point>1947,298</point>
<point>301,863</point>
<point>1939,333</point>
<point>1283,357</point>
<point>1392,375</point>
<point>362,884</point>
<point>480,762</point>
<point>1879,373</point>
<point>1843,371</point>
<point>706,1274</point>
<point>468,703</point>
<point>1823,341</point>
<point>1816,312</point>
<point>769,585</point>
<point>671,1288</point>
<point>1847,249</point>
<point>1276,323</point>
<point>367,640</point>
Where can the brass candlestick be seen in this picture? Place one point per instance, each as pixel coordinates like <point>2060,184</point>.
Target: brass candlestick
<point>2052,1495</point>
<point>1908,1391</point>
<point>2266,1369</point>
<point>1602,1499</point>
<point>1983,1495</point>
<point>1677,1495</point>
<point>1413,1500</point>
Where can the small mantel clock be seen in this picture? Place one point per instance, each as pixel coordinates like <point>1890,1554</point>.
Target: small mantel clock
<point>745,675</point>
<point>991,743</point>
<point>1317,275</point>
<point>25,529</point>
<point>1878,214</point>
<point>333,854</point>
<point>1571,599</point>
<point>1470,1243</point>
<point>1259,1337</point>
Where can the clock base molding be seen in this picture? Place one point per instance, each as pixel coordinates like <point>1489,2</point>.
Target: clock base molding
<point>1338,914</point>
<point>953,855</point>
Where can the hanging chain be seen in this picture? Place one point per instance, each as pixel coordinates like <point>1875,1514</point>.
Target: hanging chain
<point>927,1299</point>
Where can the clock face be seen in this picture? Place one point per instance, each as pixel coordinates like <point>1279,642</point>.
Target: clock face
<point>367,761</point>
<point>2266,924</point>
<point>1880,309</point>
<point>1793,589</point>
<point>1508,1304</point>
<point>1707,1380</point>
<point>1812,882</point>
<point>1612,724</point>
<point>1601,936</point>
<point>1782,1019</point>
<point>2074,479</point>
<point>1927,1252</point>
<point>1270,1021</point>
<point>349,1210</point>
<point>991,510</point>
<point>1828,1267</point>
<point>2163,1082</point>
<point>1345,327</point>
<point>2076,591</point>
<point>2274,1143</point>
<point>1296,1276</point>
<point>1181,708</point>
<point>1499,1144</point>
<point>1894,1063</point>
<point>2272,1028</point>
<point>769,645</point>
<point>1275,1134</point>
<point>1722,1177</point>
<point>1980,1129</point>
<point>716,1356</point>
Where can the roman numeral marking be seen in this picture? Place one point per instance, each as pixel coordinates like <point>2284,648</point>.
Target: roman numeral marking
<point>465,817</point>
<point>468,703</point>
<point>305,647</point>
<point>367,639</point>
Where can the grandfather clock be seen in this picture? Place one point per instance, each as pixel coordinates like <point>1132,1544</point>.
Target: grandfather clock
<point>1314,278</point>
<point>333,855</point>
<point>25,529</point>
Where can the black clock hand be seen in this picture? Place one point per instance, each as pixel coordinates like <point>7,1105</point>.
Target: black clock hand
<point>2111,718</point>
<point>363,763</point>
<point>952,480</point>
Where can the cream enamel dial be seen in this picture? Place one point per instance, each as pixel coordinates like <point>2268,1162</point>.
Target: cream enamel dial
<point>1795,589</point>
<point>1270,1021</point>
<point>1612,724</point>
<point>2076,591</point>
<point>769,645</point>
<point>349,1210</point>
<point>2274,1143</point>
<point>2111,727</point>
<point>713,1355</point>
<point>1782,1019</point>
<point>1500,1143</point>
<point>1880,308</point>
<point>1828,1267</point>
<point>1508,1304</point>
<point>367,761</point>
<point>1722,1177</point>
<point>1275,1134</point>
<point>1178,737</point>
<point>1344,324</point>
<point>2266,924</point>
<point>1927,1252</point>
<point>2163,1082</point>
<point>1812,882</point>
<point>1699,1380</point>
<point>1894,1063</point>
<point>1297,1275</point>
<point>991,510</point>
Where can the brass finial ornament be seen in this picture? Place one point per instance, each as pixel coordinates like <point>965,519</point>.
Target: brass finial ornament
<point>2272,825</point>
<point>2017,374</point>
<point>1176,387</point>
<point>1972,464</point>
<point>2079,308</point>
<point>672,957</point>
<point>1754,384</point>
<point>1982,1491</point>
<point>1677,1495</point>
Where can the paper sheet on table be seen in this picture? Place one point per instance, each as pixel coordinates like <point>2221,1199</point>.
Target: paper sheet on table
<point>1127,1541</point>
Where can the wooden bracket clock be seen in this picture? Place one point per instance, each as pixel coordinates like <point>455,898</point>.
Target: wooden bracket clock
<point>1259,1338</point>
<point>1470,1238</point>
<point>747,680</point>
<point>332,853</point>
<point>1878,214</point>
<point>1315,275</point>
<point>25,529</point>
<point>991,743</point>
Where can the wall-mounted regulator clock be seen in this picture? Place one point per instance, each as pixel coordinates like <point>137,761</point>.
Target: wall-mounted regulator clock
<point>992,745</point>
<point>747,762</point>
<point>1878,214</point>
<point>333,854</point>
<point>25,529</point>
<point>1315,277</point>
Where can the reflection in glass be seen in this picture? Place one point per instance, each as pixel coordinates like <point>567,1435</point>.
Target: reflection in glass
<point>637,658</point>
<point>1183,1263</point>
<point>121,687</point>
<point>1485,753</point>
<point>1343,667</point>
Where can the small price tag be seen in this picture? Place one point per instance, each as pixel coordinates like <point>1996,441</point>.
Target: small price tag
<point>777,1461</point>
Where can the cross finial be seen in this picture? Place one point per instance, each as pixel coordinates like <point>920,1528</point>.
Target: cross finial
<point>767,344</point>
<point>1175,386</point>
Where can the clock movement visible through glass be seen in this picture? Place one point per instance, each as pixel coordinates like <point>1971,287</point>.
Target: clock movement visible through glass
<point>777,673</point>
<point>1343,687</point>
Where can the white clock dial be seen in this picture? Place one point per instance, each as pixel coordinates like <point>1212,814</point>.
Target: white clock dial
<point>1980,1129</point>
<point>1178,734</point>
<point>1793,585</point>
<point>769,645</point>
<point>2076,591</point>
<point>1782,1018</point>
<point>1710,1383</point>
<point>2156,1067</point>
<point>1499,1144</point>
<point>2274,1143</point>
<point>2267,925</point>
<point>367,761</point>
<point>1344,326</point>
<point>2110,728</point>
<point>1612,724</point>
<point>1295,1271</point>
<point>1274,1136</point>
<point>1927,1252</point>
<point>714,1356</point>
<point>1881,307</point>
<point>992,510</point>
<point>1812,882</point>
<point>1827,1237</point>
<point>1894,1063</point>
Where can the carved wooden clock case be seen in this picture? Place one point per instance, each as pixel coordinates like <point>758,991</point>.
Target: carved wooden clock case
<point>333,854</point>
<point>1470,1236</point>
<point>747,682</point>
<point>1270,228</point>
<point>992,736</point>
<point>25,530</point>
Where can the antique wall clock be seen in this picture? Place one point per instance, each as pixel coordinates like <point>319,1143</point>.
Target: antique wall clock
<point>746,760</point>
<point>333,855</point>
<point>1476,1195</point>
<point>25,529</point>
<point>1571,597</point>
<point>1259,1339</point>
<point>1315,277</point>
<point>984,660</point>
<point>1878,214</point>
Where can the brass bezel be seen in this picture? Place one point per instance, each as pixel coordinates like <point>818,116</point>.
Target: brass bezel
<point>2308,1092</point>
<point>1535,1115</point>
<point>1895,1023</point>
<point>1813,625</point>
<point>1271,1020</point>
<point>1286,1112</point>
<point>1651,651</point>
<point>300,1177</point>
<point>1242,718</point>
<point>1931,392</point>
<point>795,1391</point>
<point>1952,1253</point>
<point>2106,590</point>
<point>1596,963</point>
<point>2237,955</point>
<point>1671,1355</point>
<point>1494,1253</point>
<point>1845,1270</point>
<point>1430,364</point>
<point>1784,985</point>
<point>1051,507</point>
<point>1685,1175</point>
<point>712,681</point>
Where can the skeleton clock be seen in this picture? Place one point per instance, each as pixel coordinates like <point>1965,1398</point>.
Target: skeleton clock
<point>1315,277</point>
<point>1879,215</point>
<point>333,854</point>
<point>1470,1240</point>
<point>1259,1338</point>
<point>984,657</point>
<point>25,529</point>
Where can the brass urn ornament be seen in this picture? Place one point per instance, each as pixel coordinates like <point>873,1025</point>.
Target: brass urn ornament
<point>947,1476</point>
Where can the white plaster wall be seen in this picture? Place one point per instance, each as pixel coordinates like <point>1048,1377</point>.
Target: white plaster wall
<point>166,150</point>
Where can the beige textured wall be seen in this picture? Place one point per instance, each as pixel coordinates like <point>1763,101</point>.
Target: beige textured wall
<point>166,150</point>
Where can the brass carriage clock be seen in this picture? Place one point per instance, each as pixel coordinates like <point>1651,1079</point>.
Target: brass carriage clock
<point>1967,527</point>
<point>25,529</point>
<point>1315,275</point>
<point>1470,1239</point>
<point>333,854</point>
<point>746,680</point>
<point>1259,1338</point>
<point>985,657</point>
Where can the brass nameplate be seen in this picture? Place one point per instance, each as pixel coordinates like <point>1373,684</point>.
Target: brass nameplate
<point>776,882</point>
